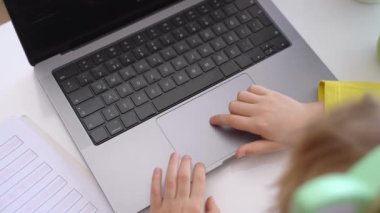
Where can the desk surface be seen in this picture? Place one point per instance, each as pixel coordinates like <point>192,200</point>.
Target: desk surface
<point>342,33</point>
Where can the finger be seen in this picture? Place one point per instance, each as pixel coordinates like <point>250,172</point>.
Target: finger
<point>211,206</point>
<point>258,90</point>
<point>248,97</point>
<point>184,177</point>
<point>234,121</point>
<point>198,187</point>
<point>259,147</point>
<point>171,177</point>
<point>241,108</point>
<point>155,193</point>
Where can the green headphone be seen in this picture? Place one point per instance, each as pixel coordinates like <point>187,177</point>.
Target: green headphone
<point>352,192</point>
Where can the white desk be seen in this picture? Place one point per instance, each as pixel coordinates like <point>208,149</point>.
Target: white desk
<point>342,32</point>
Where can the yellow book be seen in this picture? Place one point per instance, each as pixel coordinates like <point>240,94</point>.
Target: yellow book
<point>336,93</point>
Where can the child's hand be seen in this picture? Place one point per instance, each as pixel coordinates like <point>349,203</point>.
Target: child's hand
<point>269,114</point>
<point>184,192</point>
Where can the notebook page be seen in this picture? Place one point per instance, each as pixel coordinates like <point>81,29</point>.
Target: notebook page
<point>35,176</point>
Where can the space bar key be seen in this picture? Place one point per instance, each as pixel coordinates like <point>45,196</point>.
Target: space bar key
<point>188,89</point>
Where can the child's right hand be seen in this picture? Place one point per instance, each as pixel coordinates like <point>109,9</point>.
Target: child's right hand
<point>269,114</point>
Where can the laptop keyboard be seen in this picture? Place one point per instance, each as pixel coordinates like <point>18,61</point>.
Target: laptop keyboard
<point>126,83</point>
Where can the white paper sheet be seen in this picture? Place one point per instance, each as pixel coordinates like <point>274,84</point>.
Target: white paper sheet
<point>36,176</point>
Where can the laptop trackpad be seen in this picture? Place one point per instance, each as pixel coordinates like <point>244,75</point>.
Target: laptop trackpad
<point>189,131</point>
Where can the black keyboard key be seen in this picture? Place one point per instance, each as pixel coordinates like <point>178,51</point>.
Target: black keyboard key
<point>153,32</point>
<point>85,78</point>
<point>231,37</point>
<point>140,38</point>
<point>220,28</point>
<point>218,44</point>
<point>124,90</point>
<point>179,63</point>
<point>115,126</point>
<point>99,57</point>
<point>113,51</point>
<point>140,52</point>
<point>110,113</point>
<point>194,71</point>
<point>181,47</point>
<point>86,64</point>
<point>153,91</point>
<point>194,41</point>
<point>99,86</point>
<point>166,69</point>
<point>145,111</point>
<point>244,16</point>
<point>113,65</point>
<point>192,56</point>
<point>217,15</point>
<point>180,77</point>
<point>80,95</point>
<point>125,105</point>
<point>127,73</point>
<point>141,66</point>
<point>70,85</point>
<point>270,51</point>
<point>256,11</point>
<point>185,91</point>
<point>220,58</point>
<point>129,119</point>
<point>264,35</point>
<point>255,25</point>
<point>207,35</point>
<point>230,9</point>
<point>232,51</point>
<point>127,58</point>
<point>99,135</point>
<point>168,53</point>
<point>110,97</point>
<point>207,64</point>
<point>232,23</point>
<point>229,68</point>
<point>280,43</point>
<point>66,72</point>
<point>243,31</point>
<point>113,80</point>
<point>178,21</point>
<point>139,98</point>
<point>93,121</point>
<point>167,84</point>
<point>167,39</point>
<point>138,83</point>
<point>216,3</point>
<point>166,26</point>
<point>243,61</point>
<point>193,27</point>
<point>205,50</point>
<point>204,9</point>
<point>127,45</point>
<point>152,76</point>
<point>191,14</point>
<point>244,4</point>
<point>89,106</point>
<point>154,46</point>
<point>245,45</point>
<point>99,71</point>
<point>205,21</point>
<point>180,33</point>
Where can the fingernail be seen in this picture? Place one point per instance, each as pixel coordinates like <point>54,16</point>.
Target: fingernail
<point>157,171</point>
<point>186,157</point>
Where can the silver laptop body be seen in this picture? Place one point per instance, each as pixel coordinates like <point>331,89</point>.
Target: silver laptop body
<point>123,165</point>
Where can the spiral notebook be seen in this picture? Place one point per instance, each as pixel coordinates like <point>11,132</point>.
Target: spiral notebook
<point>36,175</point>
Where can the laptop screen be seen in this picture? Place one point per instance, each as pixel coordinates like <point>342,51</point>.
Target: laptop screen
<point>49,27</point>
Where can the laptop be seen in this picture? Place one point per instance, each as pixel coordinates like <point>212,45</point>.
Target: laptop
<point>136,80</point>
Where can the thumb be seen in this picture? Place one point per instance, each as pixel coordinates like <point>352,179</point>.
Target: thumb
<point>211,206</point>
<point>259,147</point>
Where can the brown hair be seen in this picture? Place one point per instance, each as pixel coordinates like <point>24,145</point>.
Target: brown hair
<point>332,144</point>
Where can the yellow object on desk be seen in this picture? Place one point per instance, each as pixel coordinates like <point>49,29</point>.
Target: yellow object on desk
<point>336,93</point>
